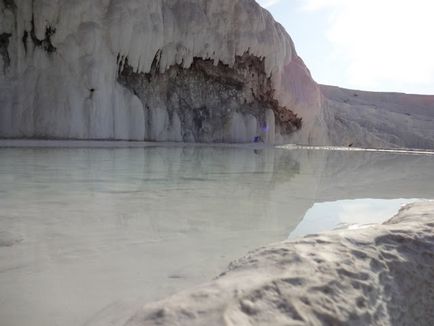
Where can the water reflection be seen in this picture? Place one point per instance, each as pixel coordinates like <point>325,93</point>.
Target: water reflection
<point>347,214</point>
<point>88,228</point>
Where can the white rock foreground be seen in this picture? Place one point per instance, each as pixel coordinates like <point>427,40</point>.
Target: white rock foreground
<point>378,275</point>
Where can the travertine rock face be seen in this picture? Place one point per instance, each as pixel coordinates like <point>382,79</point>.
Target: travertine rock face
<point>379,275</point>
<point>207,70</point>
<point>378,120</point>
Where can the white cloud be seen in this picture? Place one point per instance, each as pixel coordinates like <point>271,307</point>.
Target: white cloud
<point>383,41</point>
<point>268,3</point>
<point>320,4</point>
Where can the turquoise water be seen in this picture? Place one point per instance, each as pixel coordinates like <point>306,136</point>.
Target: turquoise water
<point>86,231</point>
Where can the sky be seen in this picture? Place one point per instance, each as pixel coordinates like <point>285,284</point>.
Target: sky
<point>379,45</point>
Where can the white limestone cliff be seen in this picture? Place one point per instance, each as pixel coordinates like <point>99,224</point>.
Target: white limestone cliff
<point>61,60</point>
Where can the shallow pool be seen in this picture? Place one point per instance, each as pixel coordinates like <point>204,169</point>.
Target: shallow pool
<point>89,232</point>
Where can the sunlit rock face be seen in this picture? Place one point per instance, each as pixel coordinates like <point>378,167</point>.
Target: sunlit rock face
<point>164,70</point>
<point>378,120</point>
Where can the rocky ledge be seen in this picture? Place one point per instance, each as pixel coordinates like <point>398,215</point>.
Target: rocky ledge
<point>378,275</point>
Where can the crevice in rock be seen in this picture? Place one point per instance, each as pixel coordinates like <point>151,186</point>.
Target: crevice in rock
<point>206,95</point>
<point>24,39</point>
<point>45,43</point>
<point>4,52</point>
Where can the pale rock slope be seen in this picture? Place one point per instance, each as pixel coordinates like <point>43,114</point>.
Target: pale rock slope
<point>381,120</point>
<point>163,70</point>
<point>378,275</point>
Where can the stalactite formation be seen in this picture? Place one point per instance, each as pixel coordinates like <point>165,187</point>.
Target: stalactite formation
<point>206,96</point>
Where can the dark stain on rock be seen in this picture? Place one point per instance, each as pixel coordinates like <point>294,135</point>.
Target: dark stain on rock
<point>4,52</point>
<point>24,39</point>
<point>10,5</point>
<point>45,43</point>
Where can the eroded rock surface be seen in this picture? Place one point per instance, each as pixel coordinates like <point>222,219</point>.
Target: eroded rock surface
<point>163,70</point>
<point>211,103</point>
<point>379,275</point>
